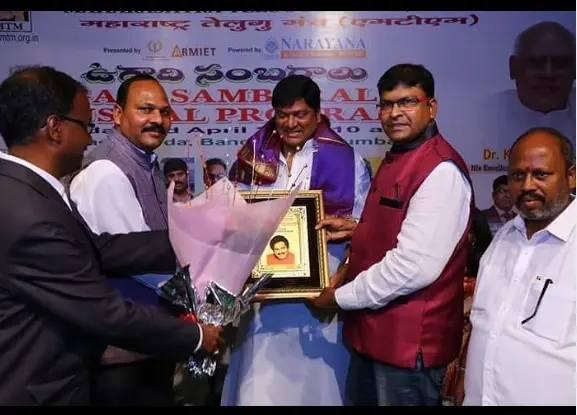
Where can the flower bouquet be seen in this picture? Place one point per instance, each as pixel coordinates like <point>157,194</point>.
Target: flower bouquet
<point>218,238</point>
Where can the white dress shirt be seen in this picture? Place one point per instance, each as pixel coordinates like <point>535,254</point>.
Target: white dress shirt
<point>510,363</point>
<point>107,201</point>
<point>436,220</point>
<point>52,181</point>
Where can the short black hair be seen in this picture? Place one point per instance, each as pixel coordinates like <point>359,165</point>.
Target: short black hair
<point>174,164</point>
<point>276,239</point>
<point>29,96</point>
<point>409,75</point>
<point>295,87</point>
<point>500,181</point>
<point>567,150</point>
<point>213,161</point>
<point>124,88</point>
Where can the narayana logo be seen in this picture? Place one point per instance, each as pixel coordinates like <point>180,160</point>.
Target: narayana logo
<point>318,47</point>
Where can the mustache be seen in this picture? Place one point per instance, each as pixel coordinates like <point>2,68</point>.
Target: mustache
<point>154,128</point>
<point>530,195</point>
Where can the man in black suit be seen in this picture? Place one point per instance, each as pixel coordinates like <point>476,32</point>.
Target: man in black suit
<point>57,311</point>
<point>503,209</point>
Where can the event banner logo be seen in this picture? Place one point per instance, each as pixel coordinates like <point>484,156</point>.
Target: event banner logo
<point>315,47</point>
<point>16,27</point>
<point>15,21</point>
<point>158,51</point>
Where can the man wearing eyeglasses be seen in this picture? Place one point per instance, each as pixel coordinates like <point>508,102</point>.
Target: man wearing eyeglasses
<point>120,189</point>
<point>503,209</point>
<point>522,346</point>
<point>403,284</point>
<point>214,170</point>
<point>58,310</point>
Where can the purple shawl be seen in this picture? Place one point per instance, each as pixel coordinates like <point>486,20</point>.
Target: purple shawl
<point>333,169</point>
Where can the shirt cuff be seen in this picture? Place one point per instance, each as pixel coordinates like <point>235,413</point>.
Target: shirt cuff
<point>199,339</point>
<point>346,298</point>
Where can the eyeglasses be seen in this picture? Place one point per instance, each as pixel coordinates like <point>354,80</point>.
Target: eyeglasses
<point>405,103</point>
<point>216,177</point>
<point>87,126</point>
<point>548,282</point>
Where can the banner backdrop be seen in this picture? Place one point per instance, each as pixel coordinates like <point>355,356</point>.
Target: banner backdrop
<point>219,69</point>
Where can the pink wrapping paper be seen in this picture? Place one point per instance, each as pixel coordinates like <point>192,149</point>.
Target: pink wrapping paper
<point>221,236</point>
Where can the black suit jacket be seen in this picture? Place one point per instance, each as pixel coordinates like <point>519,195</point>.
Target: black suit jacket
<point>57,311</point>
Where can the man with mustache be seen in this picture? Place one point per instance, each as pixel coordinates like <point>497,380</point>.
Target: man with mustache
<point>119,190</point>
<point>402,290</point>
<point>288,356</point>
<point>281,255</point>
<point>176,170</point>
<point>522,346</point>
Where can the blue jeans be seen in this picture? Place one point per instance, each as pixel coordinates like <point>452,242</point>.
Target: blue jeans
<point>370,383</point>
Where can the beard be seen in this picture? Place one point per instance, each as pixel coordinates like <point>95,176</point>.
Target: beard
<point>549,211</point>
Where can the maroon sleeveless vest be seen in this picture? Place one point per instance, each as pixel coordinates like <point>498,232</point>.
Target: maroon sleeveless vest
<point>430,319</point>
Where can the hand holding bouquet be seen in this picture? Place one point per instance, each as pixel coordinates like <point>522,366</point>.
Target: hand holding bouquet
<point>218,239</point>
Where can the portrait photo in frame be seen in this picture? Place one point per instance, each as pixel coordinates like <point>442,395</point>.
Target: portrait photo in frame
<point>296,253</point>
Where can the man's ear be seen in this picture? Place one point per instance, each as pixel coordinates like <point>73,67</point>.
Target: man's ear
<point>117,114</point>
<point>433,106</point>
<point>571,177</point>
<point>54,129</point>
<point>513,67</point>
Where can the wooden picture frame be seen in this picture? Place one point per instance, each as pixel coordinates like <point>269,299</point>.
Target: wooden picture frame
<point>299,259</point>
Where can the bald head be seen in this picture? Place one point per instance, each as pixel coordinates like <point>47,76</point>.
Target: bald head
<point>546,37</point>
<point>543,66</point>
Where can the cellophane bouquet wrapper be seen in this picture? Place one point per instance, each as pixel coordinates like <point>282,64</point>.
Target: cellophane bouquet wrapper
<point>218,238</point>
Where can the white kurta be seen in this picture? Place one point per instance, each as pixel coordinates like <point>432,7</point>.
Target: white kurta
<point>286,355</point>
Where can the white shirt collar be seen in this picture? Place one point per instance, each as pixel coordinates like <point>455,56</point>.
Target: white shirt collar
<point>562,227</point>
<point>307,148</point>
<point>52,181</point>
